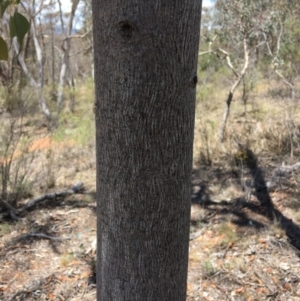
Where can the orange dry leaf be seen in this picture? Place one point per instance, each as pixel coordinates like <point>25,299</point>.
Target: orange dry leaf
<point>251,257</point>
<point>75,262</point>
<point>287,286</point>
<point>189,287</point>
<point>262,241</point>
<point>62,278</point>
<point>269,270</point>
<point>85,274</point>
<point>51,296</point>
<point>209,233</point>
<point>219,263</point>
<point>262,290</point>
<point>204,284</point>
<point>240,290</point>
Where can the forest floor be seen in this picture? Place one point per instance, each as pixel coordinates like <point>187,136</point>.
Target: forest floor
<point>244,237</point>
<point>244,240</point>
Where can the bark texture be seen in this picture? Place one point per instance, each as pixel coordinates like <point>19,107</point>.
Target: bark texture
<point>145,76</point>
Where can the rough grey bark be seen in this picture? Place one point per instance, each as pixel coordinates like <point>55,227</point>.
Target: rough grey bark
<point>145,74</point>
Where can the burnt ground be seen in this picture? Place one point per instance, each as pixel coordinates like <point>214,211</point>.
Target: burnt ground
<point>245,237</point>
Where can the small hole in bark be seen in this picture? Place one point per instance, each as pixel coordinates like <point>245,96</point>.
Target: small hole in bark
<point>127,29</point>
<point>194,81</point>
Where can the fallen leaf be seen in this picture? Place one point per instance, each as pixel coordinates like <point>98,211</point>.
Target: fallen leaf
<point>251,257</point>
<point>85,274</point>
<point>287,286</point>
<point>240,290</point>
<point>62,278</point>
<point>262,290</point>
<point>204,284</point>
<point>189,287</point>
<point>269,270</point>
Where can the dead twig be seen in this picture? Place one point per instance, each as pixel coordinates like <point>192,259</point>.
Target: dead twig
<point>42,235</point>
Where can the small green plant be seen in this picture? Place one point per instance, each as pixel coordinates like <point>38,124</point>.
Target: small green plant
<point>5,228</point>
<point>228,234</point>
<point>208,269</point>
<point>66,259</point>
<point>16,173</point>
<point>240,264</point>
<point>240,157</point>
<point>204,94</point>
<point>74,128</point>
<point>88,198</point>
<point>297,217</point>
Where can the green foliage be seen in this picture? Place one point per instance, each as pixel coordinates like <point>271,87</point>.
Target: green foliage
<point>208,269</point>
<point>208,61</point>
<point>204,93</point>
<point>5,228</point>
<point>229,235</point>
<point>3,50</point>
<point>80,129</point>
<point>18,26</point>
<point>290,51</point>
<point>3,6</point>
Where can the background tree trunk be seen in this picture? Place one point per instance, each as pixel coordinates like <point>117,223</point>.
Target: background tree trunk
<point>66,45</point>
<point>145,76</point>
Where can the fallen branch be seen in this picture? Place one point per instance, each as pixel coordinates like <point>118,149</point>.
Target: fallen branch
<point>11,210</point>
<point>42,235</point>
<point>49,196</point>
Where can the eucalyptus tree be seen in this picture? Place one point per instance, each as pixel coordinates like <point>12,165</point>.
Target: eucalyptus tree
<point>145,56</point>
<point>245,32</point>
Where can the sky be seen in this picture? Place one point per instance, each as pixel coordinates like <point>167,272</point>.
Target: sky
<point>67,4</point>
<point>207,3</point>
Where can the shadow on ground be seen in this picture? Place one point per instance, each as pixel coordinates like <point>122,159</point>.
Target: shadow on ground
<point>242,210</point>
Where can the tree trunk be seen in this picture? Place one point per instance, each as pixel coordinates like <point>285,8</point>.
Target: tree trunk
<point>240,76</point>
<point>145,74</point>
<point>40,66</point>
<point>65,64</point>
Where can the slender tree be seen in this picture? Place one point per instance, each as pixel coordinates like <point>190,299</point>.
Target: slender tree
<point>145,74</point>
<point>66,46</point>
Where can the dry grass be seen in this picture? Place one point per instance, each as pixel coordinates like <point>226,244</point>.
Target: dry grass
<point>270,126</point>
